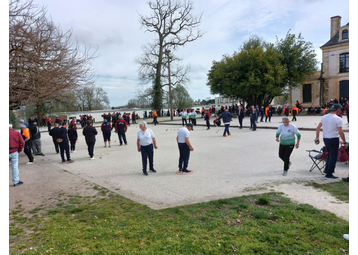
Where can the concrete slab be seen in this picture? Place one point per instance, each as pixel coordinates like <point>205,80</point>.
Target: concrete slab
<point>244,163</point>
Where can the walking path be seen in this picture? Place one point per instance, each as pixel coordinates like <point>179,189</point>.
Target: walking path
<point>242,164</point>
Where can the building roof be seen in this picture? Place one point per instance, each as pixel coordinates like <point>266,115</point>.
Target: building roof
<point>334,40</point>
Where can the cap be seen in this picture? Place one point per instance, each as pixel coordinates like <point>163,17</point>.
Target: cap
<point>10,125</point>
<point>285,119</point>
<point>335,107</point>
<point>189,125</point>
<point>22,126</point>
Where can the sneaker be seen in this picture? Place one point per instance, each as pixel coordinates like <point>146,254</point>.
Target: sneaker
<point>346,236</point>
<point>41,154</point>
<point>224,135</point>
<point>70,161</point>
<point>63,161</point>
<point>126,143</point>
<point>145,173</point>
<point>18,184</point>
<point>92,157</point>
<point>180,170</point>
<point>229,133</point>
<point>186,171</point>
<point>284,173</point>
<point>332,177</point>
<point>109,146</point>
<point>73,151</point>
<point>105,146</point>
<point>29,163</point>
<point>152,170</point>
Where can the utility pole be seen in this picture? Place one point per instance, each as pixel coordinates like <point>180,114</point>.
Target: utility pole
<point>170,86</point>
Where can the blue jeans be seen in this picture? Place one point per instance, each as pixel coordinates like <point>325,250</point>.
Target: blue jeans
<point>184,154</point>
<point>226,130</point>
<point>14,159</point>
<point>147,152</point>
<point>332,145</point>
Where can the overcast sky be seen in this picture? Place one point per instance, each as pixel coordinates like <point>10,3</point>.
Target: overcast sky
<point>113,26</point>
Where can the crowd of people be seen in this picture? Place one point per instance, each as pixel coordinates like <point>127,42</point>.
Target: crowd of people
<point>64,133</point>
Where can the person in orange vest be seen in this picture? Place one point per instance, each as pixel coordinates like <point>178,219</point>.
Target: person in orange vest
<point>268,112</point>
<point>286,110</point>
<point>155,115</point>
<point>294,111</point>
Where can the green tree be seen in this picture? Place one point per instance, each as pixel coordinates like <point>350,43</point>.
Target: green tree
<point>254,75</point>
<point>181,98</point>
<point>298,58</point>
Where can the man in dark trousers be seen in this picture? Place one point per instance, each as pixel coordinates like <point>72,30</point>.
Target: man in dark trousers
<point>25,132</point>
<point>62,140</point>
<point>207,119</point>
<point>226,116</point>
<point>184,147</point>
<point>331,125</point>
<point>16,144</point>
<point>90,133</point>
<point>268,112</point>
<point>106,129</point>
<point>121,129</point>
<point>240,115</point>
<point>54,133</point>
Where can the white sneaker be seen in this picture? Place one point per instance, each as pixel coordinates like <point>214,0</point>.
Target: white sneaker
<point>346,236</point>
<point>92,158</point>
<point>73,151</point>
<point>29,163</point>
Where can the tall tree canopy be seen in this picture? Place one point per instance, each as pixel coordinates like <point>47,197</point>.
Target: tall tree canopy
<point>261,71</point>
<point>44,62</point>
<point>174,26</point>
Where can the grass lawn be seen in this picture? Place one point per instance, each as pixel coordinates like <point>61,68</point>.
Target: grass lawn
<point>111,224</point>
<point>339,189</point>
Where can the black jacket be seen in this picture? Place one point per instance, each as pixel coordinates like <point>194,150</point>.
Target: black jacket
<point>90,133</point>
<point>35,132</point>
<point>241,115</point>
<point>54,133</point>
<point>72,134</point>
<point>226,116</point>
<point>62,134</point>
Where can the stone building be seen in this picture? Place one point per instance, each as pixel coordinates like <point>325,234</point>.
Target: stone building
<point>333,80</point>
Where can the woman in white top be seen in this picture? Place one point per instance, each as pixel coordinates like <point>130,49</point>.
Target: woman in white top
<point>145,142</point>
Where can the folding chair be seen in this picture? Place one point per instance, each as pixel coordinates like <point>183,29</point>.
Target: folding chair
<point>319,159</point>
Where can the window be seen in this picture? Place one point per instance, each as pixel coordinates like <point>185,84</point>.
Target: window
<point>307,93</point>
<point>345,34</point>
<point>344,63</point>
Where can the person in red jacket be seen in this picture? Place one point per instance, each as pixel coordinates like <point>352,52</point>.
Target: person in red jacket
<point>207,119</point>
<point>16,144</point>
<point>121,129</point>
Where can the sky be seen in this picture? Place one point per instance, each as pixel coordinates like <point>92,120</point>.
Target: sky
<point>113,26</point>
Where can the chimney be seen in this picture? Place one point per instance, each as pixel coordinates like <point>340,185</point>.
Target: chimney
<point>335,25</point>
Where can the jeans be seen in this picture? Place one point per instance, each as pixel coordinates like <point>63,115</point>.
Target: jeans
<point>332,145</point>
<point>120,136</point>
<point>226,130</point>
<point>284,154</point>
<point>14,159</point>
<point>184,154</point>
<point>253,123</point>
<point>208,124</point>
<point>90,147</point>
<point>147,152</point>
<point>183,120</point>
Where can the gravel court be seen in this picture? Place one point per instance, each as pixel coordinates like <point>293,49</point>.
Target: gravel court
<point>244,163</point>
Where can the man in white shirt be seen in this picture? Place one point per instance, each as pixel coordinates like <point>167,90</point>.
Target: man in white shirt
<point>184,115</point>
<point>332,129</point>
<point>184,147</point>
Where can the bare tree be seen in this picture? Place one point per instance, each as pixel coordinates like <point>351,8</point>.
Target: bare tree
<point>44,62</point>
<point>175,26</point>
<point>91,98</point>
